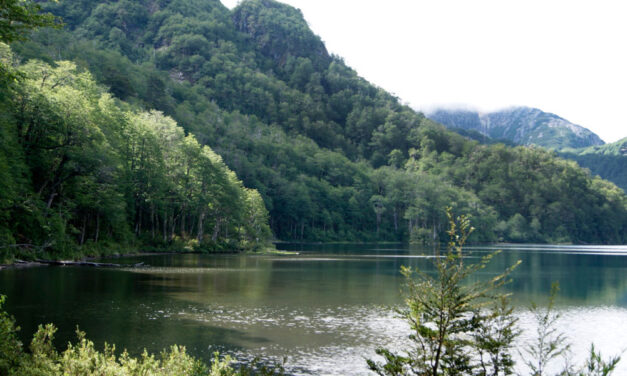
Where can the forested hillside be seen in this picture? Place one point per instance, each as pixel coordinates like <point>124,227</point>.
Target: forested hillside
<point>528,126</point>
<point>608,161</point>
<point>83,171</point>
<point>334,157</point>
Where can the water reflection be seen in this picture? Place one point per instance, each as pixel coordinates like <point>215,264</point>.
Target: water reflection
<point>325,308</point>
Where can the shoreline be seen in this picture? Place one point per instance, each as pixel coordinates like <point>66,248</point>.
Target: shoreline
<point>91,261</point>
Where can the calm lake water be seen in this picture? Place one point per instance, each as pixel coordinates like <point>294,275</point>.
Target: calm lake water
<point>326,308</point>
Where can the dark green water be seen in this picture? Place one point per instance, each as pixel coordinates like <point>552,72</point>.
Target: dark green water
<point>326,308</point>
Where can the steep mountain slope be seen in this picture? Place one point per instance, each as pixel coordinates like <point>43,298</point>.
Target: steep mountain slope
<point>608,161</point>
<point>522,125</point>
<point>618,148</point>
<point>334,157</point>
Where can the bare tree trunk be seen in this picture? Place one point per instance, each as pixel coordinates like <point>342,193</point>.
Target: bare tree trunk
<point>152,219</point>
<point>84,230</point>
<point>183,222</point>
<point>200,226</point>
<point>172,226</point>
<point>395,220</point>
<point>165,226</point>
<point>216,230</point>
<point>97,228</point>
<point>139,220</point>
<point>50,199</point>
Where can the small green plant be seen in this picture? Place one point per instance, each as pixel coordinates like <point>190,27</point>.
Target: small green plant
<point>550,344</point>
<point>10,346</point>
<point>453,317</point>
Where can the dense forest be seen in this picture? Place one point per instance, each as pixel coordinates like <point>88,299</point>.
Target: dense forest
<point>83,170</point>
<point>608,161</point>
<point>333,157</point>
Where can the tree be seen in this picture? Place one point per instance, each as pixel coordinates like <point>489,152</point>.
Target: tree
<point>453,317</point>
<point>16,18</point>
<point>19,16</point>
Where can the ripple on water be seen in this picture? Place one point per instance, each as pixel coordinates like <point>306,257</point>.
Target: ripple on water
<point>339,339</point>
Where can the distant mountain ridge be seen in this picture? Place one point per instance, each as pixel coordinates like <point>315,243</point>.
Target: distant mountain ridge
<point>521,125</point>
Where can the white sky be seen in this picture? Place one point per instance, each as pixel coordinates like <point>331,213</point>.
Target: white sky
<point>567,57</point>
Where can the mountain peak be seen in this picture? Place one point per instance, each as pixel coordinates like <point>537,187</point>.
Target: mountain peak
<point>279,31</point>
<point>522,125</point>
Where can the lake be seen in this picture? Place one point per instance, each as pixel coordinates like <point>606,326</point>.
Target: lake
<point>326,308</point>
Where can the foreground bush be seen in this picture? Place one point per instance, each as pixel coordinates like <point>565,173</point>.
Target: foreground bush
<point>83,359</point>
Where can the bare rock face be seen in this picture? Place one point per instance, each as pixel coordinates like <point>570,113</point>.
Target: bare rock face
<point>521,125</point>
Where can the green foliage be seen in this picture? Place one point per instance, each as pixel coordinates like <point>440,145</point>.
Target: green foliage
<point>595,365</point>
<point>315,139</point>
<point>82,358</point>
<point>17,17</point>
<point>462,325</point>
<point>608,161</point>
<point>10,346</point>
<point>549,344</point>
<point>93,171</point>
<point>453,318</point>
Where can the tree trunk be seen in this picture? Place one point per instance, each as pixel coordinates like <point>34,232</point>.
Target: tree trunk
<point>216,231</point>
<point>139,220</point>
<point>183,223</point>
<point>97,228</point>
<point>172,226</point>
<point>84,230</point>
<point>165,226</point>
<point>152,220</point>
<point>395,220</point>
<point>200,226</point>
<point>52,195</point>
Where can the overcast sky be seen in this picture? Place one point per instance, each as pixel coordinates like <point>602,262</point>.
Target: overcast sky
<point>566,57</point>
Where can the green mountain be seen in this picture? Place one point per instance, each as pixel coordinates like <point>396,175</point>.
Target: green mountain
<point>528,126</point>
<point>608,161</point>
<point>521,125</point>
<point>334,157</point>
